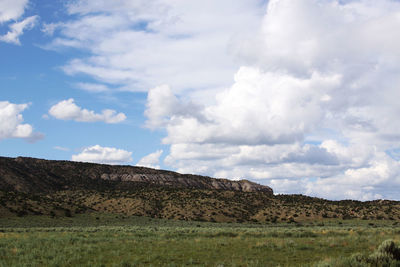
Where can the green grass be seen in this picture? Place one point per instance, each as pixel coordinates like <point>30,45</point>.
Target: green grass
<point>109,240</point>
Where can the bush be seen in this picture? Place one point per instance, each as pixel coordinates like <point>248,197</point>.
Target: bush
<point>67,213</point>
<point>387,255</point>
<point>353,261</point>
<point>390,248</point>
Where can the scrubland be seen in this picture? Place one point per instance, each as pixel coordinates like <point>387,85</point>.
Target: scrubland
<point>104,239</point>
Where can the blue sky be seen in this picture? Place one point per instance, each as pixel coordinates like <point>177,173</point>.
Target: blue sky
<point>299,95</point>
<point>32,74</point>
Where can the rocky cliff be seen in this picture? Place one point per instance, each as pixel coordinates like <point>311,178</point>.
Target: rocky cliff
<point>30,175</point>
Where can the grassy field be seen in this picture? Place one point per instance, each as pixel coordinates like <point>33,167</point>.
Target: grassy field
<point>113,240</point>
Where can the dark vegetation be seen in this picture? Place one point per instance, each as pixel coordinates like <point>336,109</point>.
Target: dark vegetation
<point>386,255</point>
<point>196,205</point>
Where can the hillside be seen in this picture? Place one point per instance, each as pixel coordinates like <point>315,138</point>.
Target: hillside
<point>64,188</point>
<point>30,175</point>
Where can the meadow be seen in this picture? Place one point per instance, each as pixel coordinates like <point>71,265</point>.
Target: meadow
<point>114,240</point>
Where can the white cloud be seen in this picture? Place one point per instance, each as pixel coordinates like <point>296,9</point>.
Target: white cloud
<point>313,111</point>
<point>11,121</point>
<point>151,161</point>
<point>68,110</point>
<point>93,87</point>
<point>162,104</point>
<point>106,155</point>
<point>313,105</point>
<point>290,106</point>
<point>49,28</point>
<point>17,29</point>
<point>12,9</point>
<point>137,45</point>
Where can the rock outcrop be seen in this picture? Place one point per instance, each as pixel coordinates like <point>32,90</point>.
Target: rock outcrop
<point>30,175</point>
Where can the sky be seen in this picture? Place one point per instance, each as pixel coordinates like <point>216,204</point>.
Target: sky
<point>302,96</point>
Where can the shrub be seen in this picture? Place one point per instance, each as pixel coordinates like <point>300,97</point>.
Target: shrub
<point>21,213</point>
<point>67,213</point>
<point>387,255</point>
<point>353,261</point>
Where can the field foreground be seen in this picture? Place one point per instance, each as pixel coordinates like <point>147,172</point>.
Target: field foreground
<point>110,240</point>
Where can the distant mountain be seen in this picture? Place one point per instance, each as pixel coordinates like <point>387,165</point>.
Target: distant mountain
<point>31,186</point>
<point>30,175</point>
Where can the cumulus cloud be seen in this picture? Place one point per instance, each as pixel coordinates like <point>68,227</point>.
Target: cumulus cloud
<point>377,179</point>
<point>313,110</point>
<point>162,105</point>
<point>68,110</point>
<point>313,104</point>
<point>151,161</point>
<point>11,122</point>
<point>290,106</point>
<point>12,9</point>
<point>137,45</point>
<point>106,155</point>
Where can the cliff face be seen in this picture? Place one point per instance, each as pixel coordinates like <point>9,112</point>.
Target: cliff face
<point>31,175</point>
